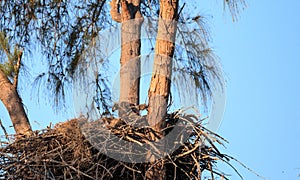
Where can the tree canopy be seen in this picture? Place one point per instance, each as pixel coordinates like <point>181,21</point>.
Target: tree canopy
<point>62,30</point>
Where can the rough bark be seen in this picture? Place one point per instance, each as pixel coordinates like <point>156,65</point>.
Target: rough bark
<point>159,90</point>
<point>128,13</point>
<point>13,103</point>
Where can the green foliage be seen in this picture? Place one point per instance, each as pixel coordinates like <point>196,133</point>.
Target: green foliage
<point>62,30</point>
<point>195,61</point>
<point>9,66</point>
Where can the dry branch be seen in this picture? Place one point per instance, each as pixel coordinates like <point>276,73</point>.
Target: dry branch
<point>64,153</point>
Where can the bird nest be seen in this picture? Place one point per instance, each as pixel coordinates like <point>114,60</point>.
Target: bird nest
<point>65,152</point>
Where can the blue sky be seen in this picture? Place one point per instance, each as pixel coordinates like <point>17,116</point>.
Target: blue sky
<point>260,57</point>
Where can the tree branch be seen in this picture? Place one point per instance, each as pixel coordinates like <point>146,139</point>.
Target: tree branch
<point>114,11</point>
<point>17,69</point>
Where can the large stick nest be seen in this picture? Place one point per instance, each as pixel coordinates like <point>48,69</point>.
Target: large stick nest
<point>63,152</point>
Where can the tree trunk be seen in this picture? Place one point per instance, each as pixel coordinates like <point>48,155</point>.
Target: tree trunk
<point>130,71</point>
<point>159,90</point>
<point>13,103</point>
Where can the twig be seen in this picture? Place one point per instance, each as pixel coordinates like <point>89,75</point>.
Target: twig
<point>4,130</point>
<point>249,169</point>
<point>133,140</point>
<point>74,169</point>
<point>133,170</point>
<point>60,154</point>
<point>178,15</point>
<point>188,152</point>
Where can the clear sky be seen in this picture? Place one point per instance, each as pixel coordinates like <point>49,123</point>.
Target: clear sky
<point>260,57</point>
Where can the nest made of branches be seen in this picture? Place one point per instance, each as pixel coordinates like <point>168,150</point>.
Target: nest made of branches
<point>63,152</point>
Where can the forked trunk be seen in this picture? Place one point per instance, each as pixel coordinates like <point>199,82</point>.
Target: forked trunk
<point>13,103</point>
<point>159,90</point>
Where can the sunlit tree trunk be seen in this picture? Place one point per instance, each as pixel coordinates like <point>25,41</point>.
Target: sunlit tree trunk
<point>159,90</point>
<point>129,15</point>
<point>13,103</point>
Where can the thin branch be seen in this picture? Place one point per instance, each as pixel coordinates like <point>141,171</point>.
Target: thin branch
<point>249,169</point>
<point>178,15</point>
<point>17,69</point>
<point>4,130</point>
